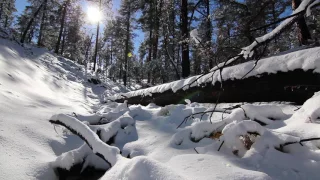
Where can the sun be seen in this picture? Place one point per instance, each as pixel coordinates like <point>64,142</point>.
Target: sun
<point>94,14</point>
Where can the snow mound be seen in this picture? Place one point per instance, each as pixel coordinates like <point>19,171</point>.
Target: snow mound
<point>214,166</point>
<point>310,111</point>
<point>141,168</point>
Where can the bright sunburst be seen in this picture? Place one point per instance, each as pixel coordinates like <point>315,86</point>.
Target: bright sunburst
<point>93,14</point>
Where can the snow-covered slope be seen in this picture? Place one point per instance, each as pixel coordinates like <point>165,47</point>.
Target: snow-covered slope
<point>34,84</point>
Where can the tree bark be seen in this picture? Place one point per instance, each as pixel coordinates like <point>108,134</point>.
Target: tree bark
<point>156,32</point>
<point>185,35</point>
<point>1,10</point>
<point>150,41</point>
<point>30,23</point>
<point>42,25</point>
<point>208,35</point>
<point>303,30</point>
<point>127,46</point>
<point>62,21</point>
<point>63,41</point>
<point>87,52</point>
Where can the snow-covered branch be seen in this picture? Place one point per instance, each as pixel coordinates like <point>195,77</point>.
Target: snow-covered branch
<point>306,5</point>
<point>108,153</point>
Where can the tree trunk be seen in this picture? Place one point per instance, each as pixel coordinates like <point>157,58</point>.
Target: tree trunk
<point>150,42</point>
<point>208,36</point>
<point>31,34</point>
<point>185,36</point>
<point>63,41</point>
<point>111,50</point>
<point>156,32</point>
<point>30,23</point>
<point>125,72</point>
<point>62,21</point>
<point>87,51</point>
<point>292,86</point>
<point>120,72</point>
<point>1,10</point>
<point>175,64</point>
<point>303,30</point>
<point>6,21</point>
<point>42,25</point>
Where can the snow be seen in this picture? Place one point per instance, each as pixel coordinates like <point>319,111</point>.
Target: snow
<point>308,13</point>
<point>141,168</point>
<point>205,167</point>
<point>305,59</point>
<point>143,142</point>
<point>264,113</point>
<point>195,36</point>
<point>34,85</point>
<point>68,159</point>
<point>98,146</point>
<point>160,151</point>
<point>309,112</point>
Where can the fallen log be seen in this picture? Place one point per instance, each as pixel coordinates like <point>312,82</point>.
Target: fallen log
<point>293,86</point>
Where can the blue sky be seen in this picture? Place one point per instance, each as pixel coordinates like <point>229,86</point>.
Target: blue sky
<point>21,4</point>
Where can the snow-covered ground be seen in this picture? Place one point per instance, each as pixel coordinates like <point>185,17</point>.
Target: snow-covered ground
<point>233,146</point>
<point>34,85</point>
<point>248,141</point>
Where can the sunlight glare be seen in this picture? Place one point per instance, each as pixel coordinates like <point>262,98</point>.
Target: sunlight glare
<point>93,14</point>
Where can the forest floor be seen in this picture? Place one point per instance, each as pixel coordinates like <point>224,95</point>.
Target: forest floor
<point>35,85</point>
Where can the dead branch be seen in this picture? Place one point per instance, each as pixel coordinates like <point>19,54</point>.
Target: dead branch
<point>202,114</point>
<point>86,134</point>
<point>220,145</point>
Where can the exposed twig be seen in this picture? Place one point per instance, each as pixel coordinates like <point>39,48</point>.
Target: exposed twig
<point>202,114</point>
<point>300,142</point>
<point>278,21</point>
<point>196,150</point>
<point>220,145</point>
<point>193,10</point>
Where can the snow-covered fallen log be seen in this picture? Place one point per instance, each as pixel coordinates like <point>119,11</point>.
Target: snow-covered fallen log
<point>292,86</point>
<point>221,73</point>
<point>266,82</point>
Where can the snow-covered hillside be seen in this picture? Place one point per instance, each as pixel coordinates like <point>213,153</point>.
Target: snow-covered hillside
<point>34,84</point>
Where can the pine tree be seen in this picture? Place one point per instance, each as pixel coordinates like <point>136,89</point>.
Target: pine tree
<point>7,8</point>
